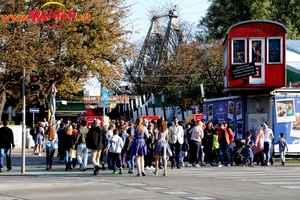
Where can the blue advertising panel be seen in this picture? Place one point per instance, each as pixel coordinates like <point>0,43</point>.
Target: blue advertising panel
<point>228,110</point>
<point>287,121</point>
<point>105,96</point>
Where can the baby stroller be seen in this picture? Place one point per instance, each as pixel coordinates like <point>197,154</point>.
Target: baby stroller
<point>237,153</point>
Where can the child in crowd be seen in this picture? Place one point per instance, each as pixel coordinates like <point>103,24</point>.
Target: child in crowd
<point>114,148</point>
<point>248,150</point>
<point>282,146</point>
<point>215,150</point>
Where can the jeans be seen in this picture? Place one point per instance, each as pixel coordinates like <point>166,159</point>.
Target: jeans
<point>267,148</point>
<point>181,157</point>
<point>82,155</point>
<point>6,151</point>
<point>116,160</point>
<point>248,154</point>
<point>130,160</point>
<point>67,159</point>
<point>282,156</point>
<point>195,151</point>
<point>175,148</point>
<point>200,154</point>
<point>224,149</point>
<point>109,161</point>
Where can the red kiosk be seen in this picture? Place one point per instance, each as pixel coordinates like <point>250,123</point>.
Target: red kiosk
<point>255,72</point>
<point>254,56</point>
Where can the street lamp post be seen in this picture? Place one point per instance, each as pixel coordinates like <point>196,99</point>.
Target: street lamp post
<point>23,123</point>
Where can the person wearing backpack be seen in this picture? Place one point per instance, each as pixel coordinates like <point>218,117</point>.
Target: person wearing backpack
<point>51,146</point>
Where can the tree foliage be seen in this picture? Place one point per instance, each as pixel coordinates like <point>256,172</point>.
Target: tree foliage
<point>222,14</point>
<point>193,64</point>
<point>179,79</point>
<point>63,56</point>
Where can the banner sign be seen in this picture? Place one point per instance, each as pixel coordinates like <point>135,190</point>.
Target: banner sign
<point>111,99</point>
<point>230,111</point>
<point>244,70</point>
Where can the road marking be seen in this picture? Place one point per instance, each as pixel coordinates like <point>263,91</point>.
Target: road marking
<point>154,188</point>
<point>252,179</point>
<point>288,180</point>
<point>291,187</point>
<point>133,184</point>
<point>278,183</point>
<point>200,198</point>
<point>176,193</point>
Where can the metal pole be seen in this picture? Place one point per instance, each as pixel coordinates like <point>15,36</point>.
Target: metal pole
<point>132,109</point>
<point>137,107</point>
<point>164,106</point>
<point>146,104</point>
<point>101,94</point>
<point>23,125</point>
<point>153,105</point>
<point>128,111</point>
<point>33,120</point>
<point>141,105</point>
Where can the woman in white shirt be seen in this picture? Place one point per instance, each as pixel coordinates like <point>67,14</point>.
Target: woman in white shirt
<point>268,137</point>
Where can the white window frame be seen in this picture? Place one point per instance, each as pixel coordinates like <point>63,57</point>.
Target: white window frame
<point>262,79</point>
<point>245,53</point>
<point>281,50</point>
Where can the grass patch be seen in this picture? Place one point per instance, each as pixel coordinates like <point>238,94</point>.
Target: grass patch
<point>288,160</point>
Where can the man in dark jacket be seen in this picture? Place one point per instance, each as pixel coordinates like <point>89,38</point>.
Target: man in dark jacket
<point>96,142</point>
<point>6,145</point>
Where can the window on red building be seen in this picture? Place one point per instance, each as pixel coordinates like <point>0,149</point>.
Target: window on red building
<point>274,50</point>
<point>239,51</point>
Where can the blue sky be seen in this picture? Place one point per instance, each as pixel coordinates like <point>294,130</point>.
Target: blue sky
<point>189,10</point>
<point>140,16</point>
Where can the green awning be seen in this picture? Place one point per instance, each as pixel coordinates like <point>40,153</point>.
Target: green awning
<point>71,107</point>
<point>292,76</point>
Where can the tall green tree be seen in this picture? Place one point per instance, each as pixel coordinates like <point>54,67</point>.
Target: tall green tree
<point>222,14</point>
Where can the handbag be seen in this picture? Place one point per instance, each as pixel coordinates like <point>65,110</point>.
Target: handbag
<point>72,153</point>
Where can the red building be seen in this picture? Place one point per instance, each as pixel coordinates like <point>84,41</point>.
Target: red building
<point>255,55</point>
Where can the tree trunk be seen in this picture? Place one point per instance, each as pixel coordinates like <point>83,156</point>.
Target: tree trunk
<point>2,103</point>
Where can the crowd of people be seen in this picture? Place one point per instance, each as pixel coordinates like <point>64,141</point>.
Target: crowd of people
<point>145,145</point>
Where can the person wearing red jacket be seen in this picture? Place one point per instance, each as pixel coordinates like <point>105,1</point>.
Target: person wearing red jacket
<point>225,138</point>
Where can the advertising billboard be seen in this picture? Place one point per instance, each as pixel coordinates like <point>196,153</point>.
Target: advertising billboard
<point>287,121</point>
<point>229,110</point>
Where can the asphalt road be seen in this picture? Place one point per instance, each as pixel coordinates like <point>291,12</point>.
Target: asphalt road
<point>273,182</point>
